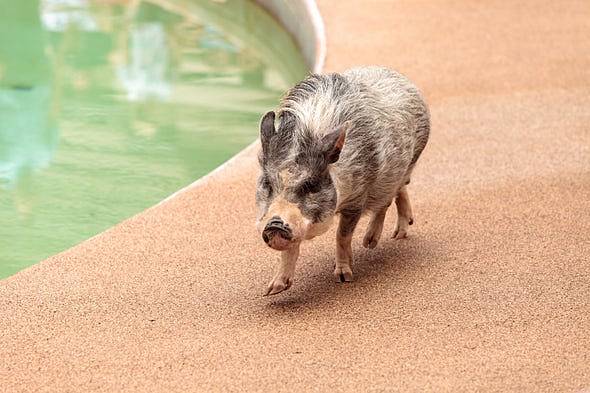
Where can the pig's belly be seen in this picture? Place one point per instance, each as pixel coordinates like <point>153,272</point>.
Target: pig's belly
<point>374,197</point>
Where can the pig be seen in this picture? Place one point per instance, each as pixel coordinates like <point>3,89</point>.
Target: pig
<point>344,144</point>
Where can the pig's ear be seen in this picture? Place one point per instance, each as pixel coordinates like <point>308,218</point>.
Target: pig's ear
<point>333,142</point>
<point>267,130</point>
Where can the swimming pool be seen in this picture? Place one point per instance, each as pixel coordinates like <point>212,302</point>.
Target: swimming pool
<point>107,107</point>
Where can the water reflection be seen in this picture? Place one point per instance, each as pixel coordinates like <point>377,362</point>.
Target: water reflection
<point>61,15</point>
<point>109,106</point>
<point>145,75</point>
<point>28,130</point>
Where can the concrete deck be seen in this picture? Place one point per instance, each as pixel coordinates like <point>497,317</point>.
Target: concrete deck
<point>491,292</point>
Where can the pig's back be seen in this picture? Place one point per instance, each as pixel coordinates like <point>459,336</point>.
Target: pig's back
<point>390,130</point>
<point>398,100</point>
<point>389,125</point>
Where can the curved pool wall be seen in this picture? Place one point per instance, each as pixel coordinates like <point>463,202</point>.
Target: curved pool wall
<point>283,68</point>
<point>303,20</point>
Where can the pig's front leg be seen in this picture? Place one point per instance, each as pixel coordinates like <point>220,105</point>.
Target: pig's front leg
<point>346,226</point>
<point>284,277</point>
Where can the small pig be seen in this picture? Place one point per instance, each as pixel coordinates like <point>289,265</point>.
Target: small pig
<point>344,144</point>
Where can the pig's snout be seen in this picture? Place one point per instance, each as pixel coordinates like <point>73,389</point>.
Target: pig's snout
<point>277,233</point>
<point>276,226</point>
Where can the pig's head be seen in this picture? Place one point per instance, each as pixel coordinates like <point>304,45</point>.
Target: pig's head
<point>296,196</point>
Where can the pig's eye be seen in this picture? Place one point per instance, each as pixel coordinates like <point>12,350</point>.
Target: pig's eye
<point>267,185</point>
<point>309,187</point>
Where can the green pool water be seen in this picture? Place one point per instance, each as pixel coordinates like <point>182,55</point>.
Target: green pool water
<point>107,107</point>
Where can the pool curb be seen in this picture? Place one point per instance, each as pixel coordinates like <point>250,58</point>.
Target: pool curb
<point>302,19</point>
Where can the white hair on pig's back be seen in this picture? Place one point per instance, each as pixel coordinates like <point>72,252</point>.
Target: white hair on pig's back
<point>313,103</point>
<point>388,128</point>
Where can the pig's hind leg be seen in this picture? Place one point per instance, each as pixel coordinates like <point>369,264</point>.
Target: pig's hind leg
<point>346,226</point>
<point>375,228</point>
<point>404,213</point>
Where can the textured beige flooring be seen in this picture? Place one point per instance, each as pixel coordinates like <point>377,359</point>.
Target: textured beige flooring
<point>491,292</point>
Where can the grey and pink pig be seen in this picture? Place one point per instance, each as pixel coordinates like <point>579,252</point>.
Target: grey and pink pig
<point>338,145</point>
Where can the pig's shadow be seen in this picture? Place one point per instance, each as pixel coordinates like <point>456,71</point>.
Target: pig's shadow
<point>315,283</point>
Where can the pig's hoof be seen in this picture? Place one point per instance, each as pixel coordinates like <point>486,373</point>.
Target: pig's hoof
<point>370,240</point>
<point>343,274</point>
<point>278,284</point>
<point>400,233</point>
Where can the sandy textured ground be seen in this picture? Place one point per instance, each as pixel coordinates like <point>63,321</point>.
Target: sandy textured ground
<point>491,292</point>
